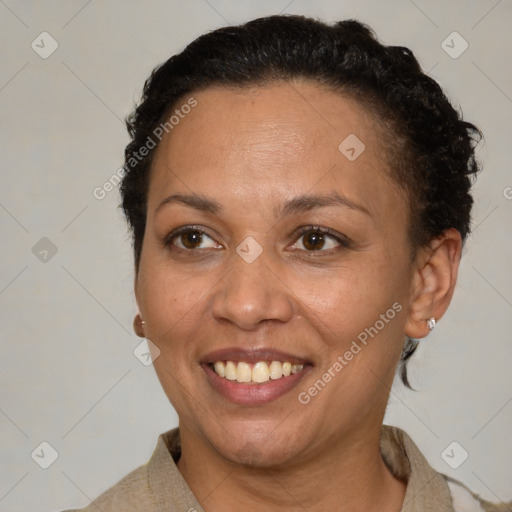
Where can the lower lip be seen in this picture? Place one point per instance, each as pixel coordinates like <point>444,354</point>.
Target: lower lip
<point>253,394</point>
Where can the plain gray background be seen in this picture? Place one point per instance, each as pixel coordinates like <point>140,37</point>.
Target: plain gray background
<point>68,375</point>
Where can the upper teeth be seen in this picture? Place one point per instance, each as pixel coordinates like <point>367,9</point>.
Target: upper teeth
<point>257,372</point>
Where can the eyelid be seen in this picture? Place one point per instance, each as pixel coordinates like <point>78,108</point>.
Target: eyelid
<point>339,237</point>
<point>183,229</point>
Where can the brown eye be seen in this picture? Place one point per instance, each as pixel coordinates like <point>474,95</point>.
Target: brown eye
<point>319,239</point>
<point>313,241</point>
<point>191,239</point>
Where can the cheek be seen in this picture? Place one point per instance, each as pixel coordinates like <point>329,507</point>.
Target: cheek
<point>352,297</point>
<point>172,306</point>
<point>358,313</point>
<point>171,302</point>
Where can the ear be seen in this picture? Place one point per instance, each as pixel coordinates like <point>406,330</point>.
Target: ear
<point>138,326</point>
<point>433,284</point>
<point>137,321</point>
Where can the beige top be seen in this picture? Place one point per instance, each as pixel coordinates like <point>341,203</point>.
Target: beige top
<point>159,487</point>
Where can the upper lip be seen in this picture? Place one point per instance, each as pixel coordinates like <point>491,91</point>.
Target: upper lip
<point>252,355</point>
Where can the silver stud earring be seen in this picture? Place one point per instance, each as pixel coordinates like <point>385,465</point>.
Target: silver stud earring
<point>431,323</point>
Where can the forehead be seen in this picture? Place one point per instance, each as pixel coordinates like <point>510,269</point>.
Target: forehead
<point>286,118</point>
<point>262,142</point>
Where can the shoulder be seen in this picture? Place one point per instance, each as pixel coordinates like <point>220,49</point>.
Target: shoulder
<point>428,489</point>
<point>148,487</point>
<point>465,500</point>
<point>132,492</point>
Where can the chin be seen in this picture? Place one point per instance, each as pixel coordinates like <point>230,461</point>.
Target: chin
<point>257,450</point>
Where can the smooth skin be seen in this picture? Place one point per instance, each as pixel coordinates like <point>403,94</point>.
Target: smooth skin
<point>251,152</point>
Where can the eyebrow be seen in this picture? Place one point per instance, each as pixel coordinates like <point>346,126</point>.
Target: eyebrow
<point>194,201</point>
<point>308,202</point>
<point>296,205</point>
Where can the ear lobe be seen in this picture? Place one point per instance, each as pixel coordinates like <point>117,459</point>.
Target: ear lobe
<point>138,326</point>
<point>434,282</point>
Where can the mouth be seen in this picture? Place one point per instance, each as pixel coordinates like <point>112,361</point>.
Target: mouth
<point>255,373</point>
<point>254,377</point>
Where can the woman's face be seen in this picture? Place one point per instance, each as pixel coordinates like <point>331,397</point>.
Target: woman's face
<point>292,247</point>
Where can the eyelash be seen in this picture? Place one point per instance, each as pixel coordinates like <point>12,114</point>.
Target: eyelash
<point>339,238</point>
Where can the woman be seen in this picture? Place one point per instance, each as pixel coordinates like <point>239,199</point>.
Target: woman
<point>299,195</point>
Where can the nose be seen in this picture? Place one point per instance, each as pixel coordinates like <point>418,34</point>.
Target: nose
<point>252,294</point>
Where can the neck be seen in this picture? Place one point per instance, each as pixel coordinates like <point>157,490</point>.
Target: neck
<point>349,475</point>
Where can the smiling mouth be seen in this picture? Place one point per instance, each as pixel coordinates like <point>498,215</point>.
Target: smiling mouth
<point>255,373</point>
